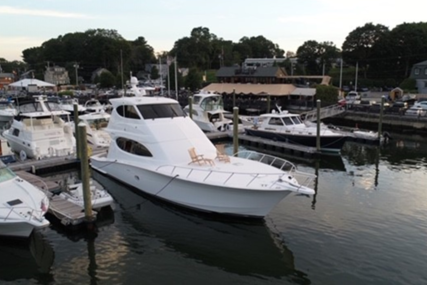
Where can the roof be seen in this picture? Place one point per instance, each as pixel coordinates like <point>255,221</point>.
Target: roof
<point>304,91</point>
<point>255,89</point>
<point>421,63</point>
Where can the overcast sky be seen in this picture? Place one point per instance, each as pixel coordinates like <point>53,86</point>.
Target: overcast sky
<point>28,23</point>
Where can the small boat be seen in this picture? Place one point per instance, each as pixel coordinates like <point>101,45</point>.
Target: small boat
<point>95,128</point>
<point>74,193</point>
<point>7,111</point>
<point>209,114</point>
<point>290,128</point>
<point>67,104</point>
<point>23,205</point>
<point>159,150</point>
<point>94,106</point>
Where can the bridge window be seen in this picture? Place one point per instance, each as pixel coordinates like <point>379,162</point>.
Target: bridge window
<point>275,122</point>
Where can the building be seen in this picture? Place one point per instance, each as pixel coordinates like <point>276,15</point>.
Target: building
<point>261,62</point>
<point>56,75</point>
<point>6,79</point>
<point>419,73</point>
<point>263,75</point>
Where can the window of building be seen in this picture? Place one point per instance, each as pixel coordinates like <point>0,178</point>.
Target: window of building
<point>425,71</point>
<point>417,71</point>
<point>132,147</point>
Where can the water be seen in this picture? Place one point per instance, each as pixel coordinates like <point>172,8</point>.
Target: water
<point>366,225</point>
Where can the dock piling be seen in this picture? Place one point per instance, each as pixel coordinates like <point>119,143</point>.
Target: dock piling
<point>380,123</point>
<point>318,126</point>
<point>190,106</point>
<point>235,130</point>
<point>76,129</point>
<point>85,173</point>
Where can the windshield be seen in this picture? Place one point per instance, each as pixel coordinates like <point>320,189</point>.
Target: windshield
<point>157,111</point>
<point>5,173</point>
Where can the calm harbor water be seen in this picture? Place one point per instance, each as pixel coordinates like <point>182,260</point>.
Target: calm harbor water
<point>366,225</point>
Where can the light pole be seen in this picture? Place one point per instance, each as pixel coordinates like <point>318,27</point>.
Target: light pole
<point>76,66</point>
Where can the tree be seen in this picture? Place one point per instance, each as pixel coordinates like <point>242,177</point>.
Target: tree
<point>193,80</point>
<point>154,73</point>
<point>357,47</point>
<point>327,94</point>
<point>106,79</point>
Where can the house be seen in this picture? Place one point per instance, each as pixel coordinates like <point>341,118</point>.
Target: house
<point>6,79</point>
<point>56,75</point>
<point>419,73</point>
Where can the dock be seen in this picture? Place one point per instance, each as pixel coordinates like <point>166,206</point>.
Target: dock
<point>65,211</point>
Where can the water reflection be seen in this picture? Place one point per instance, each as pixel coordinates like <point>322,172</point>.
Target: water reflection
<point>244,247</point>
<point>26,259</point>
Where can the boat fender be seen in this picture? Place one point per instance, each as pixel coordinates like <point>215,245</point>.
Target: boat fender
<point>22,155</point>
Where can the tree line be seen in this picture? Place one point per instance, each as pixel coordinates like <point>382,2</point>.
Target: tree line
<point>379,52</point>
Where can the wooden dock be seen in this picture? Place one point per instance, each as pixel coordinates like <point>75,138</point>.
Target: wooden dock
<point>65,211</point>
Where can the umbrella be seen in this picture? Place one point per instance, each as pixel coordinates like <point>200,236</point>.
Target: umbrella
<point>29,81</point>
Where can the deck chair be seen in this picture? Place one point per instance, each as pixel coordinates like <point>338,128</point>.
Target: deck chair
<point>196,157</point>
<point>220,153</point>
<point>199,158</point>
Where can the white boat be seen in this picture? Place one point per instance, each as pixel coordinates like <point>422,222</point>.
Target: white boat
<point>95,128</point>
<point>7,111</point>
<point>67,104</point>
<point>290,128</point>
<point>159,150</point>
<point>23,206</point>
<point>419,109</point>
<point>94,106</point>
<point>100,198</point>
<point>6,154</point>
<point>39,132</point>
<point>209,114</point>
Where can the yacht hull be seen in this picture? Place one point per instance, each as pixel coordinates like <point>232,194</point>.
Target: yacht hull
<point>21,229</point>
<point>215,198</point>
<point>327,143</point>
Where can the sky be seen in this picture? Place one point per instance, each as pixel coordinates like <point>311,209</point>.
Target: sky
<point>29,23</point>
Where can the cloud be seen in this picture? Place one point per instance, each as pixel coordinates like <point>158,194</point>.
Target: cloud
<point>43,13</point>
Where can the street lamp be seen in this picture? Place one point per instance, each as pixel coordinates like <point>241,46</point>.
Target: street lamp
<point>76,66</point>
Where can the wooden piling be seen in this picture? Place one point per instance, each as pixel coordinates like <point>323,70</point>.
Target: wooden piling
<point>380,123</point>
<point>318,126</point>
<point>85,173</point>
<point>268,103</point>
<point>76,129</point>
<point>190,106</point>
<point>235,130</point>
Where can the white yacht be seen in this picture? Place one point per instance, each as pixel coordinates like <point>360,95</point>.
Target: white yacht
<point>160,151</point>
<point>208,112</point>
<point>23,206</point>
<point>95,128</point>
<point>94,106</point>
<point>290,128</point>
<point>39,132</point>
<point>7,111</point>
<point>67,104</point>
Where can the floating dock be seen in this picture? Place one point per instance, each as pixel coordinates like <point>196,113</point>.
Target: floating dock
<point>65,211</point>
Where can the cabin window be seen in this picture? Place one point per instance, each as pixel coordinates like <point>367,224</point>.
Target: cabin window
<point>275,122</point>
<point>157,111</point>
<point>128,111</point>
<point>15,132</point>
<point>133,147</point>
<point>288,121</point>
<point>296,120</point>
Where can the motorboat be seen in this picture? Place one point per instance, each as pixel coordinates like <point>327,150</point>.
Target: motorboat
<point>38,132</point>
<point>95,128</point>
<point>100,198</point>
<point>6,154</point>
<point>67,104</point>
<point>208,112</point>
<point>7,111</point>
<point>23,205</point>
<point>287,127</point>
<point>94,106</point>
<point>160,151</point>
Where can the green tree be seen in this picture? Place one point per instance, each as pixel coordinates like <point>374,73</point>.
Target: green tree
<point>358,45</point>
<point>327,94</point>
<point>193,80</point>
<point>154,74</point>
<point>107,80</point>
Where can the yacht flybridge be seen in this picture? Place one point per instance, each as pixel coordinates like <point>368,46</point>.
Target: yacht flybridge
<point>159,150</point>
